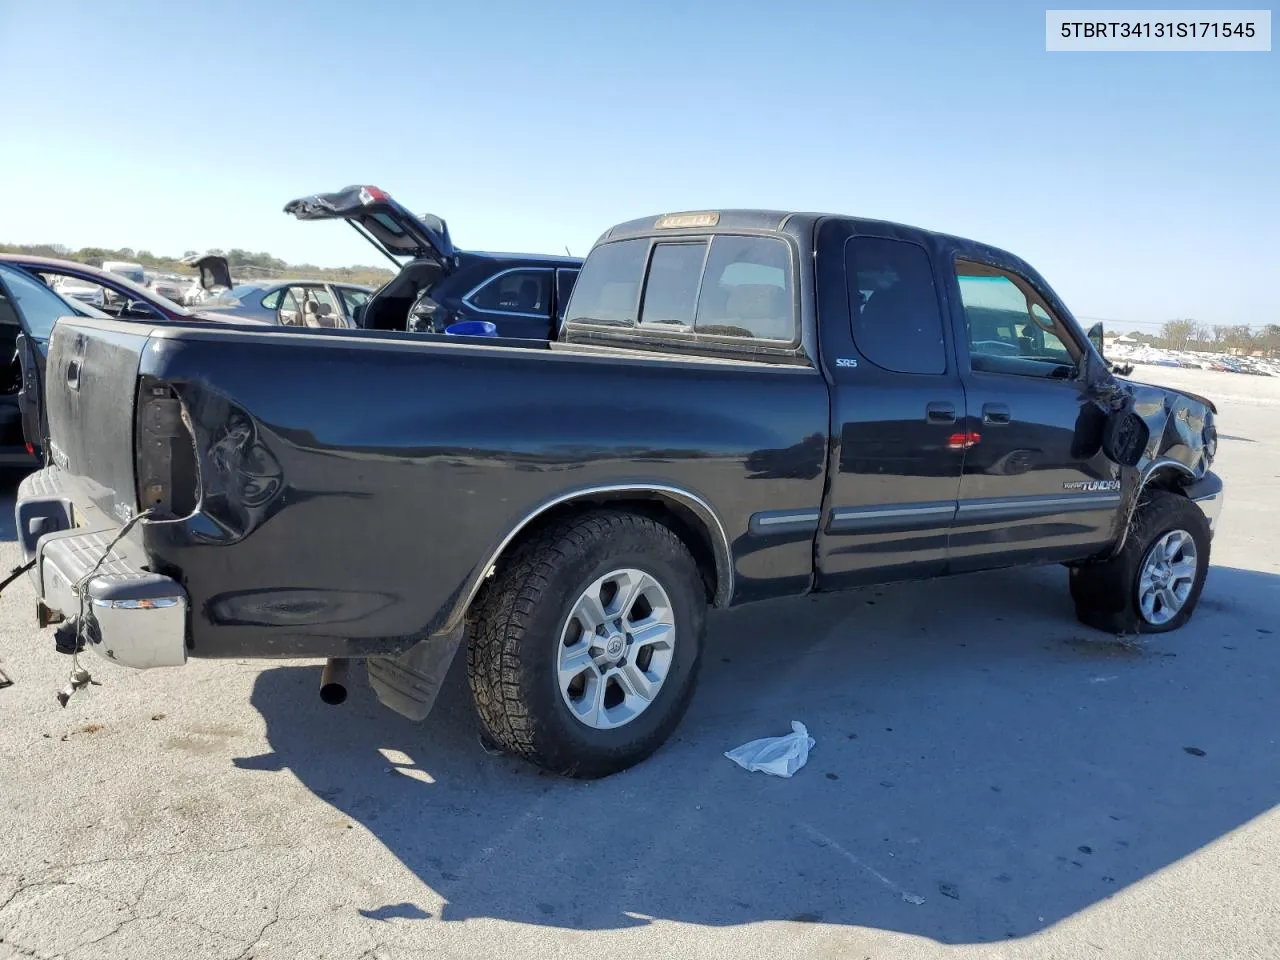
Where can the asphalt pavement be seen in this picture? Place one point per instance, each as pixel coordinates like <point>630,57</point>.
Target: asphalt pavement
<point>991,779</point>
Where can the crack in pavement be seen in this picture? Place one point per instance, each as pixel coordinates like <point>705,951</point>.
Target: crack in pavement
<point>303,875</point>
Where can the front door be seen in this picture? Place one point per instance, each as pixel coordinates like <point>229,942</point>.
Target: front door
<point>1036,485</point>
<point>896,410</point>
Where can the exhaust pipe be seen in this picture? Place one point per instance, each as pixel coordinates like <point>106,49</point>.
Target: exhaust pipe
<point>333,681</point>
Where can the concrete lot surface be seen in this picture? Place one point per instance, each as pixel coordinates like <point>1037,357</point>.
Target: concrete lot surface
<point>990,779</point>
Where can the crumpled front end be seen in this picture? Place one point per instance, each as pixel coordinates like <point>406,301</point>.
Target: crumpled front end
<point>1161,437</point>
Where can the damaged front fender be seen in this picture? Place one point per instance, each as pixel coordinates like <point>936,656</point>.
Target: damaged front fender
<point>1158,436</point>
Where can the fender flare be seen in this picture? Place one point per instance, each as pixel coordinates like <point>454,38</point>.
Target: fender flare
<point>699,507</point>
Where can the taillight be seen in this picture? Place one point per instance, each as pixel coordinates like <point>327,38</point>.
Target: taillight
<point>372,195</point>
<point>166,461</point>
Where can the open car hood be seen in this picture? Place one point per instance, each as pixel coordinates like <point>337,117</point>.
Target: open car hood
<point>399,234</point>
<point>212,269</point>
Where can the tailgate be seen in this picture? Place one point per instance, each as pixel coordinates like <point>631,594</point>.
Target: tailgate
<point>91,379</point>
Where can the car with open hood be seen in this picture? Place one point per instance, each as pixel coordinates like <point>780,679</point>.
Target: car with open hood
<point>436,284</point>
<point>212,278</point>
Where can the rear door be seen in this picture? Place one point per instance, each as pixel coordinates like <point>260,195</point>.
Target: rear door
<point>1036,485</point>
<point>353,300</point>
<point>896,407</point>
<point>399,234</point>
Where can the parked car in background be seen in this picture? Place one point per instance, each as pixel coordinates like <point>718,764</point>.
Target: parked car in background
<point>113,293</point>
<point>523,295</point>
<point>292,303</point>
<point>133,271</point>
<point>74,288</point>
<point>212,278</point>
<point>170,286</point>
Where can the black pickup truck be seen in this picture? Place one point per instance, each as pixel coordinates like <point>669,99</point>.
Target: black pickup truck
<point>739,405</point>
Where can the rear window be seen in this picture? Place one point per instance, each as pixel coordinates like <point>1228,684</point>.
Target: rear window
<point>608,287</point>
<point>671,294</point>
<point>724,287</point>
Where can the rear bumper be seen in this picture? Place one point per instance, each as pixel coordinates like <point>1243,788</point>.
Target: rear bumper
<point>1206,493</point>
<point>131,616</point>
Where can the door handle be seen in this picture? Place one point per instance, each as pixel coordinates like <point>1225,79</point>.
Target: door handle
<point>940,411</point>
<point>995,413</point>
<point>73,374</point>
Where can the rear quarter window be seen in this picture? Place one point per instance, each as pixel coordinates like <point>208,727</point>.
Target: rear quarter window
<point>893,305</point>
<point>724,287</point>
<point>607,291</point>
<point>746,290</point>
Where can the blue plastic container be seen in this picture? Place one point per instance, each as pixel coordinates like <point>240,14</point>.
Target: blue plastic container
<point>471,328</point>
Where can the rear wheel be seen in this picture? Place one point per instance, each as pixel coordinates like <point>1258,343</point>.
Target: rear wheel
<point>1153,584</point>
<point>584,650</point>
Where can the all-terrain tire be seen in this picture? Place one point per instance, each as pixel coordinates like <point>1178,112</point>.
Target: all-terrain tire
<point>514,634</point>
<point>1106,594</point>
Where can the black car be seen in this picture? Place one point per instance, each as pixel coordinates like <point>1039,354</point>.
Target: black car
<point>522,294</point>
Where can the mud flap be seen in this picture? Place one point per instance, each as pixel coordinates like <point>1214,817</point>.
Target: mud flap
<point>410,683</point>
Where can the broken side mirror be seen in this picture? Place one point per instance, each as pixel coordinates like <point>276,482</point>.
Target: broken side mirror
<point>1125,437</point>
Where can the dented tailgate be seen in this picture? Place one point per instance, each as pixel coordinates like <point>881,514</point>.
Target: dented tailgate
<point>91,379</point>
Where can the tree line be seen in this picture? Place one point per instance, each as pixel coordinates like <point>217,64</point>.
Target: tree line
<point>1188,334</point>
<point>244,264</point>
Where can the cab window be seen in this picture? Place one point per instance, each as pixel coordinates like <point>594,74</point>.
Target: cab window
<point>1010,329</point>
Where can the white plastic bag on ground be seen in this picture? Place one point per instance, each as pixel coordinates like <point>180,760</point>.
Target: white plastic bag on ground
<point>776,756</point>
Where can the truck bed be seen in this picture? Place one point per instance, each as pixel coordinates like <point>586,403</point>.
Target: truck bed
<point>397,464</point>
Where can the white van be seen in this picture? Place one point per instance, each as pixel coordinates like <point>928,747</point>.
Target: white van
<point>131,270</point>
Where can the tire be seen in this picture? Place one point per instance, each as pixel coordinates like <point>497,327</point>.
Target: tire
<point>1107,595</point>
<point>528,621</point>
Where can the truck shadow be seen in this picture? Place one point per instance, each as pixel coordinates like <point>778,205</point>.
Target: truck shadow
<point>984,768</point>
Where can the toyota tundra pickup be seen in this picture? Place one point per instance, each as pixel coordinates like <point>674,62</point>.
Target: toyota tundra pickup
<point>738,406</point>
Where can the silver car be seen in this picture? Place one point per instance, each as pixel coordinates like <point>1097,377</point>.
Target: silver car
<point>293,303</point>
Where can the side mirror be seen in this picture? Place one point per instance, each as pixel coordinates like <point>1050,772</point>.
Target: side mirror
<point>1095,337</point>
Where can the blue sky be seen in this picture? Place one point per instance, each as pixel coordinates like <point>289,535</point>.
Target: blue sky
<point>1143,186</point>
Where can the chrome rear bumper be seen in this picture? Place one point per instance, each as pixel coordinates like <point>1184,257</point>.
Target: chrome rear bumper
<point>131,616</point>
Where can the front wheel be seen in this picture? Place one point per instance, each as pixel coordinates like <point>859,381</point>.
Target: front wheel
<point>584,650</point>
<point>1153,584</point>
